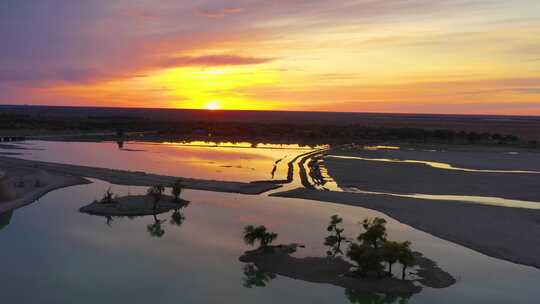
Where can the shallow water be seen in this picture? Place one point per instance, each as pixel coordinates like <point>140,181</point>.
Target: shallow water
<point>483,200</point>
<point>67,257</point>
<point>329,184</point>
<point>62,256</point>
<point>225,161</point>
<point>493,159</point>
<point>437,165</point>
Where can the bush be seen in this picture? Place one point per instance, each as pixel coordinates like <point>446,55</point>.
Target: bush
<point>253,234</point>
<point>176,189</point>
<point>156,192</point>
<point>108,197</point>
<point>374,249</point>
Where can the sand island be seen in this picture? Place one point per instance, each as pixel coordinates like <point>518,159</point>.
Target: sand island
<point>365,267</point>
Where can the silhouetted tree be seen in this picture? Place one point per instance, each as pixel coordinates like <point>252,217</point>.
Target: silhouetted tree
<point>405,257</point>
<point>390,254</point>
<point>374,249</point>
<point>108,197</point>
<point>367,258</point>
<point>253,234</point>
<point>176,189</point>
<point>375,232</point>
<point>367,254</point>
<point>335,238</point>
<point>156,192</point>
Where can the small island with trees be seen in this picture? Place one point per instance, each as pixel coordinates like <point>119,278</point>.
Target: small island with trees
<point>364,268</point>
<point>154,202</point>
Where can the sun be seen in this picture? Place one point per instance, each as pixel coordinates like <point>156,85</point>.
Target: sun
<point>212,105</point>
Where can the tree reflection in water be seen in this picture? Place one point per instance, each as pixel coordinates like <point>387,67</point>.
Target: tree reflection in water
<point>177,217</point>
<point>255,277</point>
<point>5,219</point>
<point>359,298</point>
<point>109,220</point>
<point>120,143</point>
<point>155,229</point>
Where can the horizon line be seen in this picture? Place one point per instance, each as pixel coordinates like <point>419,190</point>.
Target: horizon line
<point>275,111</point>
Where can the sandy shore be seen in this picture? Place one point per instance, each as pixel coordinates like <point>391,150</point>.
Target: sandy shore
<point>53,176</point>
<point>137,178</point>
<point>412,178</point>
<point>469,156</point>
<point>29,184</point>
<point>507,233</point>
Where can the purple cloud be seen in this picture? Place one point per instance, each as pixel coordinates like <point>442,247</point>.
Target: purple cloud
<point>213,60</point>
<point>34,77</point>
<point>218,13</point>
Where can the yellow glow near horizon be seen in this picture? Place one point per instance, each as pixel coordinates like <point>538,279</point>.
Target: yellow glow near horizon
<point>212,89</point>
<point>223,88</point>
<point>212,105</point>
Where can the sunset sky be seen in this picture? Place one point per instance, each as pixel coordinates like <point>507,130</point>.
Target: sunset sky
<point>428,56</point>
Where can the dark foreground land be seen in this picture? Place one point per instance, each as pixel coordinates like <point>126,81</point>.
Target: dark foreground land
<point>270,126</point>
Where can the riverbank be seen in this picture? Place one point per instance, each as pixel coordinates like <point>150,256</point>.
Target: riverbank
<point>138,178</point>
<point>27,185</point>
<point>465,173</point>
<point>51,176</point>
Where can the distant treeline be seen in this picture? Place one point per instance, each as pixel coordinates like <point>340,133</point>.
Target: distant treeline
<point>251,131</point>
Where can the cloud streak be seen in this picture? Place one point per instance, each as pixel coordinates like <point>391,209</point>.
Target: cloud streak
<point>213,60</point>
<point>70,75</point>
<point>218,13</point>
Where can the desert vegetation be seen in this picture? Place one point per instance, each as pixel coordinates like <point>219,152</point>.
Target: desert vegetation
<point>156,193</point>
<point>259,234</point>
<point>364,270</point>
<point>108,197</point>
<point>176,190</point>
<point>335,239</point>
<point>308,133</point>
<point>372,250</point>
